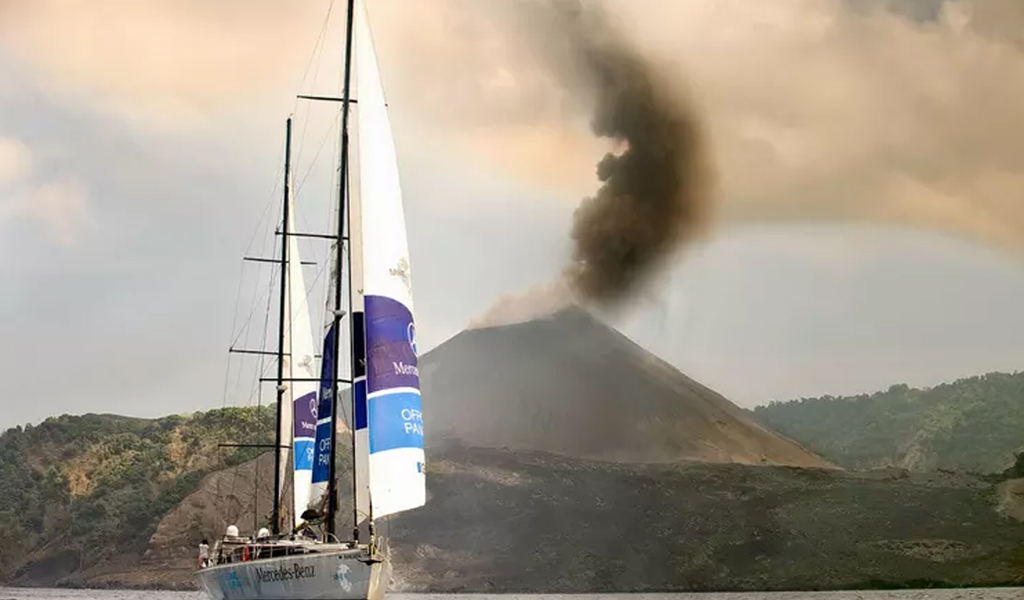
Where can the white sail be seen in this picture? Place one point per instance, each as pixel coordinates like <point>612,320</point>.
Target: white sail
<point>394,410</point>
<point>302,370</point>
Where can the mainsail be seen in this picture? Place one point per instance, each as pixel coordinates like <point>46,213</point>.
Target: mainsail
<point>302,373</point>
<point>393,409</point>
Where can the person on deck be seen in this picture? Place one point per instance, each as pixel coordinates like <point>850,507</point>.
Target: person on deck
<point>204,554</point>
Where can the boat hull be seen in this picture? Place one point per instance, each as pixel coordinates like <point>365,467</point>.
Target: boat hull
<point>329,576</point>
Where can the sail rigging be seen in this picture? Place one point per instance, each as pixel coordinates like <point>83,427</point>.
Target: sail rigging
<point>370,252</point>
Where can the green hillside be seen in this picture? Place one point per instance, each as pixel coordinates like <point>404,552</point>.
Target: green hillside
<point>97,485</point>
<point>974,424</point>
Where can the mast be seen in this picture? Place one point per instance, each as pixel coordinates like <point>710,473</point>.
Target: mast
<point>276,525</point>
<point>332,488</point>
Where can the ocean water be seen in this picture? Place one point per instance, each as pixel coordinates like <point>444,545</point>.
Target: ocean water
<point>965,594</point>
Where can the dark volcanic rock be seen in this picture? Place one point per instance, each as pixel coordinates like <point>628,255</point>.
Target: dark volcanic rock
<point>570,385</point>
<point>506,521</point>
<point>502,521</point>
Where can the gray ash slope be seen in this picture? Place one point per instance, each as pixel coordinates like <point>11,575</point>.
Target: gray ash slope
<point>503,521</point>
<point>568,384</point>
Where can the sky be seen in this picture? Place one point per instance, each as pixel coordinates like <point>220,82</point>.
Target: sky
<point>869,206</point>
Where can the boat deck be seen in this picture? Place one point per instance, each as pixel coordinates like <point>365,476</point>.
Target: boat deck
<point>234,550</point>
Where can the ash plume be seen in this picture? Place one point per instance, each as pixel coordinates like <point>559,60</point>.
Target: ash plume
<point>654,193</point>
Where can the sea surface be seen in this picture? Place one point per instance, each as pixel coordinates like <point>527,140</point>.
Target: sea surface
<point>965,594</point>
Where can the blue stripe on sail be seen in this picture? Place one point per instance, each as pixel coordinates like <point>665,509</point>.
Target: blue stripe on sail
<point>397,421</point>
<point>360,404</point>
<point>390,346</point>
<point>303,455</point>
<point>322,446</point>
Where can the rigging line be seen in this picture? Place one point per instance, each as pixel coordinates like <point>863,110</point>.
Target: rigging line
<point>227,371</point>
<point>309,170</point>
<point>248,248</point>
<point>259,406</point>
<point>312,284</point>
<point>258,392</point>
<point>244,328</point>
<point>238,296</point>
<point>323,143</point>
<point>317,47</point>
<point>312,165</point>
<point>264,364</point>
<point>236,471</point>
<point>263,340</point>
<point>270,202</point>
<point>315,55</point>
<point>234,323</point>
<point>248,320</point>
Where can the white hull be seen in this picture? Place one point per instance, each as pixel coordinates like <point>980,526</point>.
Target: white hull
<point>339,575</point>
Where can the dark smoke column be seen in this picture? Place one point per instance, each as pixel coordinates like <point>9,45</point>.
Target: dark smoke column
<point>654,194</point>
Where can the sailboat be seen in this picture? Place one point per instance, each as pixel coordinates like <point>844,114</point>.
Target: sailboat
<point>293,559</point>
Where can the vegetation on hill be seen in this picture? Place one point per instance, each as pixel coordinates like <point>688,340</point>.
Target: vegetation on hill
<point>973,424</point>
<point>95,486</point>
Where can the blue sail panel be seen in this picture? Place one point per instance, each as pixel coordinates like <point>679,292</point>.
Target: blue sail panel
<point>397,421</point>
<point>325,408</point>
<point>390,346</point>
<point>305,410</point>
<point>394,408</point>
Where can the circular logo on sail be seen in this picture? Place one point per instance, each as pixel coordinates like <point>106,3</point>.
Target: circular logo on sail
<point>410,334</point>
<point>314,407</point>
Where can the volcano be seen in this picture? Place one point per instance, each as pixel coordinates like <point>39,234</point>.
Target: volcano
<point>569,384</point>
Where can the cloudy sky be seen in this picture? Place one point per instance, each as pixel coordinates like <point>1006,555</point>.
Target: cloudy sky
<point>869,210</point>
